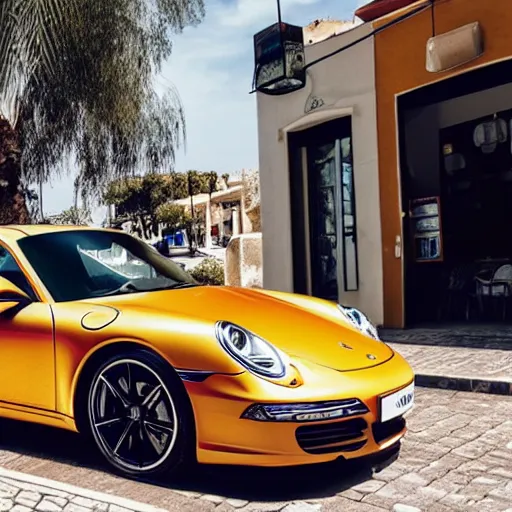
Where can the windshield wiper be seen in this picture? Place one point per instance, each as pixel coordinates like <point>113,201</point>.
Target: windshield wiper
<point>128,287</point>
<point>176,286</point>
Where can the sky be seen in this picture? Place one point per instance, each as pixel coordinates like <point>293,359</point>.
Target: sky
<point>212,67</point>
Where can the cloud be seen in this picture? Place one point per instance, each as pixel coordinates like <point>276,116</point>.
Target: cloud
<point>212,67</point>
<point>249,13</point>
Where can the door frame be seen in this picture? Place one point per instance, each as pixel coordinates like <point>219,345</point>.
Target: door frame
<point>469,81</point>
<point>298,138</point>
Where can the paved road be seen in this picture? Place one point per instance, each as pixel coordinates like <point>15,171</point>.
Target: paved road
<point>190,263</point>
<point>457,456</point>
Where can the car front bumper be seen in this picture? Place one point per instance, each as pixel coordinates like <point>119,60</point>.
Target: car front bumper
<point>224,437</point>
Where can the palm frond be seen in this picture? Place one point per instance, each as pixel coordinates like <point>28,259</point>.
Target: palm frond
<point>76,80</point>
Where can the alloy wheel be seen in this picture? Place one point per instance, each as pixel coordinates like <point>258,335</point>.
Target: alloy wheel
<point>133,416</point>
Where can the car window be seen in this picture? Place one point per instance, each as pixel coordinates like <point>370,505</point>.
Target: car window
<point>111,268</point>
<point>118,260</point>
<point>10,270</point>
<point>84,264</point>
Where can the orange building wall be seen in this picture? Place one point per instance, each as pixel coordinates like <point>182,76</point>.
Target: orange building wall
<point>400,60</point>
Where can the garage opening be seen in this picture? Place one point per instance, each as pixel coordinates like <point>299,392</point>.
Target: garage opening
<point>456,177</point>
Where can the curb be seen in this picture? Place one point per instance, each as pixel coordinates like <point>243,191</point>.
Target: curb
<point>488,386</point>
<point>109,499</point>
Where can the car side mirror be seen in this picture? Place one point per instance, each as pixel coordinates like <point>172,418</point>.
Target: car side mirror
<point>11,296</point>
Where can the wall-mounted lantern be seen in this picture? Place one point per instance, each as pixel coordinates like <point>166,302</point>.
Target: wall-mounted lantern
<point>279,59</point>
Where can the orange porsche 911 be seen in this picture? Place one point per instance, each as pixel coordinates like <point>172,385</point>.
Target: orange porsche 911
<point>101,334</point>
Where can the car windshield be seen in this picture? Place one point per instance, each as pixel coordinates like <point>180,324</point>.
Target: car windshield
<point>84,264</point>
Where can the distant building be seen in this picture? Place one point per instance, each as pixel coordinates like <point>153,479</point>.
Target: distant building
<point>223,213</point>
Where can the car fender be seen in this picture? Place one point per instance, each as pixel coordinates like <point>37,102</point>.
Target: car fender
<point>185,344</point>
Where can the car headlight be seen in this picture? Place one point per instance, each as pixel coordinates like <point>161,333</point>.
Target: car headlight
<point>360,320</point>
<point>252,352</point>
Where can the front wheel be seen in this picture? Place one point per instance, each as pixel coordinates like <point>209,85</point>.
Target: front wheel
<point>138,414</point>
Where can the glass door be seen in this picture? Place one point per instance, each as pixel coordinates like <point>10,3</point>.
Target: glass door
<point>323,167</point>
<point>324,229</point>
<point>333,234</point>
<point>348,207</point>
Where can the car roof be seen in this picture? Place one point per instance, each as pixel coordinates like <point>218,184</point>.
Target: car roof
<point>16,232</point>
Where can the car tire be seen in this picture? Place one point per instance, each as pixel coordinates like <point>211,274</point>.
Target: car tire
<point>139,415</point>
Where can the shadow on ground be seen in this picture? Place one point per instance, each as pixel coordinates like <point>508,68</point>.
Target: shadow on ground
<point>30,442</point>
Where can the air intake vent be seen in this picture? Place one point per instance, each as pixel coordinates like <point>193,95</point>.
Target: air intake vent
<point>384,431</point>
<point>342,436</point>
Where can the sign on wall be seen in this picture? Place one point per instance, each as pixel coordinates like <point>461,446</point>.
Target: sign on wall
<point>279,59</point>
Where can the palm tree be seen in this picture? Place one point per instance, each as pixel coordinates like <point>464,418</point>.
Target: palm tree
<point>76,83</point>
<point>12,204</point>
<point>212,180</point>
<point>194,188</point>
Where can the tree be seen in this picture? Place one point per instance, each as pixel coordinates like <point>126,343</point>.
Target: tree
<point>138,199</point>
<point>76,83</point>
<point>225,177</point>
<point>147,200</point>
<point>125,196</point>
<point>212,180</point>
<point>179,182</point>
<point>173,215</point>
<point>73,216</point>
<point>13,208</point>
<point>195,185</point>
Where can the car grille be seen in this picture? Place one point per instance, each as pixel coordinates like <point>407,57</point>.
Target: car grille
<point>387,430</point>
<point>342,436</point>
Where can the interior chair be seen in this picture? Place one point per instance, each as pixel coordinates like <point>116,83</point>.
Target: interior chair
<point>495,290</point>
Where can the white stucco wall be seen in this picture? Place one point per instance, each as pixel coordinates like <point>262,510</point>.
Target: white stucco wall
<point>344,81</point>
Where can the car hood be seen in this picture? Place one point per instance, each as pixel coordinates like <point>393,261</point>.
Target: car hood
<point>302,327</point>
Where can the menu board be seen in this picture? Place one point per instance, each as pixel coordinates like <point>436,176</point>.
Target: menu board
<point>426,226</point>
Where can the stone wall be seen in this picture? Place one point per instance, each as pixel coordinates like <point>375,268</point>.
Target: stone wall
<point>244,261</point>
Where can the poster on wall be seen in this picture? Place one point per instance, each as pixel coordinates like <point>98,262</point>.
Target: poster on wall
<point>425,215</point>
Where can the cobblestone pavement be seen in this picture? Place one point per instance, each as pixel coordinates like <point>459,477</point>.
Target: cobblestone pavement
<point>469,335</point>
<point>451,357</point>
<point>457,456</point>
<point>458,362</point>
<point>24,493</point>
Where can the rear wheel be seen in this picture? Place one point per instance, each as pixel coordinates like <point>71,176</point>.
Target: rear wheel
<point>139,415</point>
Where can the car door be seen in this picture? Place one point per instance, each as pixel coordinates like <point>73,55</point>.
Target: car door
<point>27,364</point>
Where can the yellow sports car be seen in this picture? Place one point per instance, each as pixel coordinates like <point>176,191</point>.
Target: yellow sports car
<point>101,334</point>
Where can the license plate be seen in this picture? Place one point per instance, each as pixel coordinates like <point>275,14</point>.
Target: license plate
<point>396,404</point>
